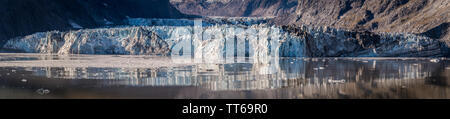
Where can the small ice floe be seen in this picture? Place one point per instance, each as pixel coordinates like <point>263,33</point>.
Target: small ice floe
<point>319,68</point>
<point>434,60</point>
<point>336,81</point>
<point>24,80</point>
<point>292,62</point>
<point>13,71</point>
<point>306,59</point>
<point>365,61</point>
<point>42,91</point>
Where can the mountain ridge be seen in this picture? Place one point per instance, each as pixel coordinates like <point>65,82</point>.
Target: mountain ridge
<point>405,16</point>
<point>24,17</point>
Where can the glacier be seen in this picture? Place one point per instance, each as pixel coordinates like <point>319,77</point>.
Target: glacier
<point>132,41</point>
<point>221,38</point>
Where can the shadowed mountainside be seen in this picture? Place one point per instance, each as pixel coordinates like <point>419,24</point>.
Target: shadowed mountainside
<point>24,17</point>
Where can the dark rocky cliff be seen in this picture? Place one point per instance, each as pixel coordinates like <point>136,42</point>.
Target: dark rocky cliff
<point>24,17</point>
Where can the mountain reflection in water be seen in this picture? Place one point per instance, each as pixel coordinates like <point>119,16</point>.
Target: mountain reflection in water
<point>104,76</point>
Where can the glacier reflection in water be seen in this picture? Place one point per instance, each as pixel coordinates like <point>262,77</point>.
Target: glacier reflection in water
<point>310,76</point>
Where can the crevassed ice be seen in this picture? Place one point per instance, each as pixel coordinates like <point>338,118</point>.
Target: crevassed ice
<point>214,42</point>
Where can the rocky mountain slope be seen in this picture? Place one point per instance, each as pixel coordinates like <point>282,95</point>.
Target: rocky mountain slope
<point>412,16</point>
<point>236,8</point>
<point>430,17</point>
<point>25,17</point>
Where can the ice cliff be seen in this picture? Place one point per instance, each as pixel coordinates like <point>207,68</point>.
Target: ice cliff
<point>330,42</point>
<point>224,40</point>
<point>134,41</point>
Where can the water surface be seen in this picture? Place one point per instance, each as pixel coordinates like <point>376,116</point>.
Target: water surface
<point>115,76</point>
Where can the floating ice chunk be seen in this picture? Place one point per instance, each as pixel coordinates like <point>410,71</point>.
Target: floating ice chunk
<point>24,80</point>
<point>321,68</point>
<point>336,81</point>
<point>42,91</point>
<point>434,60</point>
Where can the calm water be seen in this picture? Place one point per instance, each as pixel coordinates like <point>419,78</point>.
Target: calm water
<point>107,76</point>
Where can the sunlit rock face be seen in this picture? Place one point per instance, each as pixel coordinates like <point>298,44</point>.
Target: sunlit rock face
<point>220,40</point>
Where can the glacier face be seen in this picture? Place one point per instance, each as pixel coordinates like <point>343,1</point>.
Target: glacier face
<point>213,42</point>
<point>220,38</point>
<point>134,41</point>
<point>330,42</point>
